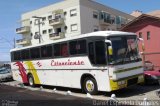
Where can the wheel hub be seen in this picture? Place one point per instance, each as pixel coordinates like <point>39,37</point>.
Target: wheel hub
<point>30,81</point>
<point>89,86</point>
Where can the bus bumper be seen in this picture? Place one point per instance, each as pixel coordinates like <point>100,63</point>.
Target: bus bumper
<point>126,82</point>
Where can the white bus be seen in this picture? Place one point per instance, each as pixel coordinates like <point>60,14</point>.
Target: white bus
<point>98,61</point>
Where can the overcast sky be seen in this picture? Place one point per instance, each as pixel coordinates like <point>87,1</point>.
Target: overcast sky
<point>11,11</point>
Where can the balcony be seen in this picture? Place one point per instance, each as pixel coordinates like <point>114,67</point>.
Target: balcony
<point>22,42</point>
<point>56,36</point>
<point>57,21</point>
<point>59,11</point>
<point>105,22</point>
<point>22,30</point>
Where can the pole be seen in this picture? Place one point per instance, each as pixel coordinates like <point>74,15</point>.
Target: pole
<point>39,26</point>
<point>39,30</point>
<point>14,41</point>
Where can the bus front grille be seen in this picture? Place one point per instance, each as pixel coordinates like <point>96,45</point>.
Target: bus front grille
<point>132,81</point>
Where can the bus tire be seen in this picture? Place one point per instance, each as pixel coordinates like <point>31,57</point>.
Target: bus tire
<point>31,81</point>
<point>90,86</point>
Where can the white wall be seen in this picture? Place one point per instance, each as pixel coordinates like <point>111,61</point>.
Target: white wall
<point>87,8</point>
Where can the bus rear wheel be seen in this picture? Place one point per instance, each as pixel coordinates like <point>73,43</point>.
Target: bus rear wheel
<point>90,86</point>
<point>31,81</point>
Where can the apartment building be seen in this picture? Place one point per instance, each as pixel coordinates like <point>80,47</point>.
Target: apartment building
<point>66,19</point>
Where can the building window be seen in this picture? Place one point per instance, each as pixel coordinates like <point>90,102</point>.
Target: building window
<point>107,17</point>
<point>36,22</point>
<point>36,33</point>
<point>57,16</point>
<point>118,19</point>
<point>31,34</point>
<point>101,15</point>
<point>44,19</point>
<point>74,27</point>
<point>113,19</point>
<point>50,17</point>
<point>123,20</point>
<point>73,12</point>
<point>50,30</point>
<point>140,34</point>
<point>58,30</point>
<point>95,15</point>
<point>65,13</point>
<point>148,35</point>
<point>44,31</point>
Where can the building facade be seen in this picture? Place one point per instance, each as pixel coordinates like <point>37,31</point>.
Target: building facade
<point>148,28</point>
<point>66,19</point>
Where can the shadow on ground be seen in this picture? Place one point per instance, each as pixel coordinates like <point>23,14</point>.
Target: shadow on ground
<point>127,92</point>
<point>134,90</point>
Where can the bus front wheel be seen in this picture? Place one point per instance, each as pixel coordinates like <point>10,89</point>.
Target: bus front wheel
<point>31,80</point>
<point>90,86</point>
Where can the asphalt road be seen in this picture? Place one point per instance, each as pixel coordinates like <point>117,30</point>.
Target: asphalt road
<point>14,96</point>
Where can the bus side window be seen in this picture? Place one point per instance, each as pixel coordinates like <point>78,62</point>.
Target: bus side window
<point>49,50</point>
<point>25,54</point>
<point>72,47</point>
<point>43,51</point>
<point>35,53</point>
<point>12,56</point>
<point>57,50</point>
<point>100,53</point>
<point>81,47</point>
<point>64,49</point>
<point>17,55</point>
<point>91,52</point>
<point>46,51</point>
<point>77,47</point>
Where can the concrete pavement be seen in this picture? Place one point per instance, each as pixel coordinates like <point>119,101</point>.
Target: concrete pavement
<point>47,94</point>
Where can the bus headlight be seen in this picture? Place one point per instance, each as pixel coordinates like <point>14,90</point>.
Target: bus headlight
<point>121,82</point>
<point>141,77</point>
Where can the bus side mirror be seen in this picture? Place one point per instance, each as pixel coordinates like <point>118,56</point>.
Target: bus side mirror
<point>142,40</point>
<point>110,50</point>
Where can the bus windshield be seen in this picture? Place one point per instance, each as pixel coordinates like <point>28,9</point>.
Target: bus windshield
<point>125,49</point>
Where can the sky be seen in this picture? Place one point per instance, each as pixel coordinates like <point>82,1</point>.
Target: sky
<point>11,10</point>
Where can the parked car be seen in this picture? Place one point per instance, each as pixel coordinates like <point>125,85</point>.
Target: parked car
<point>5,74</point>
<point>148,65</point>
<point>151,76</point>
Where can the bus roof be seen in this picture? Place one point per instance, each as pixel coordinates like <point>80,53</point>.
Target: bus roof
<point>98,33</point>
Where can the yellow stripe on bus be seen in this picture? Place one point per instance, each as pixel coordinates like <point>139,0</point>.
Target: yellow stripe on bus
<point>33,71</point>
